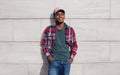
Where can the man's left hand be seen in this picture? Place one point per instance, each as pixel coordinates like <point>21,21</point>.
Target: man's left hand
<point>70,60</point>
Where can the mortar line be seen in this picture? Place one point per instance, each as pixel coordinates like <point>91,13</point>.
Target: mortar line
<point>109,51</point>
<point>28,69</point>
<point>117,62</point>
<point>13,31</point>
<point>110,9</point>
<point>66,18</point>
<point>83,66</point>
<point>78,41</point>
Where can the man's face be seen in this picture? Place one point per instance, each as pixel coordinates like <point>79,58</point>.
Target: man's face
<point>59,17</point>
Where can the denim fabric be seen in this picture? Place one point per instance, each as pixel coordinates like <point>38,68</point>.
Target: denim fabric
<point>58,67</point>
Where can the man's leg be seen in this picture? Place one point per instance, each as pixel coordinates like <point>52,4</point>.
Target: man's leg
<point>66,67</point>
<point>54,68</point>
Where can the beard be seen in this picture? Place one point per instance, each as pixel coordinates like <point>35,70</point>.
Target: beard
<point>58,23</point>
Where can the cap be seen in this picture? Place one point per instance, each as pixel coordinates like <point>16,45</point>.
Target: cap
<point>58,10</point>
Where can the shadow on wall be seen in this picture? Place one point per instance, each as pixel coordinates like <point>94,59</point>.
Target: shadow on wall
<point>44,68</point>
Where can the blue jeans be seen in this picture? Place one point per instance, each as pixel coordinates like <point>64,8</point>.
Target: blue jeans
<point>58,67</point>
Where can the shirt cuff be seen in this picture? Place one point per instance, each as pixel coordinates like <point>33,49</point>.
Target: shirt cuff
<point>47,54</point>
<point>72,56</point>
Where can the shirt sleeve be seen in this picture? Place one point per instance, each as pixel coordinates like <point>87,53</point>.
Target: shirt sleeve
<point>74,45</point>
<point>44,42</point>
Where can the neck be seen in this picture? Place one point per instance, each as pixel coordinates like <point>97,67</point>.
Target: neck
<point>60,25</point>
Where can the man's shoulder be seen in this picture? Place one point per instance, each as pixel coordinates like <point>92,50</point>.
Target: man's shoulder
<point>68,26</point>
<point>50,26</point>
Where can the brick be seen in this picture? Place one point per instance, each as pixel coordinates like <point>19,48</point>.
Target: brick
<point>21,52</point>
<point>76,69</point>
<point>13,69</point>
<point>102,69</point>
<point>6,30</point>
<point>85,29</point>
<point>91,52</point>
<point>85,9</point>
<point>114,53</point>
<point>109,30</point>
<point>27,30</point>
<point>26,8</point>
<point>115,8</point>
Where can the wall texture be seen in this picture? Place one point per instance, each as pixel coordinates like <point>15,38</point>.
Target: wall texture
<point>97,26</point>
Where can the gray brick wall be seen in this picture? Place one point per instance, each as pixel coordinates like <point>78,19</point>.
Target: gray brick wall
<point>97,27</point>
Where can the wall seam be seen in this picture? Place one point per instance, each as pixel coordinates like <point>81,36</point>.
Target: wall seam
<point>110,10</point>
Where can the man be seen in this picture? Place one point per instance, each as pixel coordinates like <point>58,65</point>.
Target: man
<point>59,45</point>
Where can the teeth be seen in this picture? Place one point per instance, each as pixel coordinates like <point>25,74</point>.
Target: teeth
<point>60,18</point>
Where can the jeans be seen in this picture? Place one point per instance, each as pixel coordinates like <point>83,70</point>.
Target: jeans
<point>58,67</point>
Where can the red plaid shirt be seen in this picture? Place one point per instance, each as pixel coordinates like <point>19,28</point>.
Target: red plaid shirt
<point>48,39</point>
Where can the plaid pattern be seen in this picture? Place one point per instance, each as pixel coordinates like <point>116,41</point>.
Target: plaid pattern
<point>48,39</point>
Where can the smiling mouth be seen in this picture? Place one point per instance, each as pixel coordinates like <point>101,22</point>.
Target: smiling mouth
<point>58,22</point>
<point>60,19</point>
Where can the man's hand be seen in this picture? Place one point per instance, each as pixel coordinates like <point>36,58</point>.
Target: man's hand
<point>70,60</point>
<point>50,58</point>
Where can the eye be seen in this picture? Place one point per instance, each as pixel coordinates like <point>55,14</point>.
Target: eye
<point>57,14</point>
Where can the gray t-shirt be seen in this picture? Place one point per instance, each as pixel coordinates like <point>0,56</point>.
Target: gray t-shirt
<point>60,48</point>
